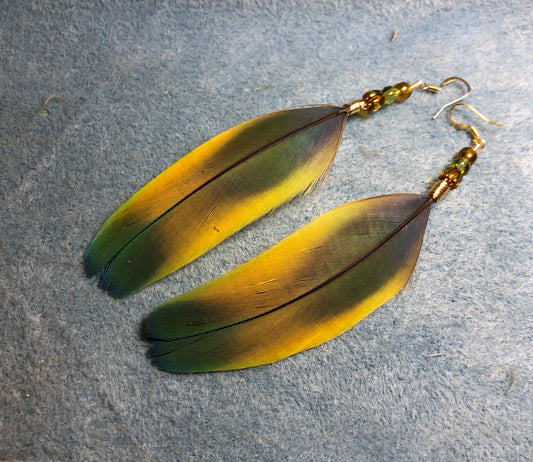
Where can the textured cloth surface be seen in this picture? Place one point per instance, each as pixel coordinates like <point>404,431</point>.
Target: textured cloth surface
<point>97,98</point>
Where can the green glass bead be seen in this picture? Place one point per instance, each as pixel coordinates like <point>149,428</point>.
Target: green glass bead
<point>363,113</point>
<point>390,94</point>
<point>461,164</point>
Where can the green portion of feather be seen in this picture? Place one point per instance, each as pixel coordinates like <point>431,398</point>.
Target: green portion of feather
<point>309,288</point>
<point>222,186</point>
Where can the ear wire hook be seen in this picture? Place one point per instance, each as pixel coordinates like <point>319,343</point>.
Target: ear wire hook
<point>467,126</point>
<point>442,85</point>
<point>478,141</point>
<point>436,88</point>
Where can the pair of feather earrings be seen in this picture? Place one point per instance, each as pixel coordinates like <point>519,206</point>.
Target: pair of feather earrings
<point>307,289</point>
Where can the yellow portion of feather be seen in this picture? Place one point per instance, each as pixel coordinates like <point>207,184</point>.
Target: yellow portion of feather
<point>225,184</point>
<point>193,170</point>
<point>313,324</point>
<point>213,221</point>
<point>309,288</point>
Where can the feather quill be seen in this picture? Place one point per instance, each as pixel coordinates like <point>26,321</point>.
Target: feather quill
<point>214,191</point>
<point>309,288</point>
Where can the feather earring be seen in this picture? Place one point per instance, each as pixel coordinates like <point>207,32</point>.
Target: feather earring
<point>222,186</point>
<point>309,288</point>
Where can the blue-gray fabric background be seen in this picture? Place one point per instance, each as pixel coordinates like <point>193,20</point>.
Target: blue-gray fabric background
<point>96,98</point>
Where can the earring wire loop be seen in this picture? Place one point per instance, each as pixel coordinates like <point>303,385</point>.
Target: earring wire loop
<point>473,130</point>
<point>455,101</point>
<point>475,111</point>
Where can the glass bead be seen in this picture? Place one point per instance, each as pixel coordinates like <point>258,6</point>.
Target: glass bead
<point>469,154</point>
<point>390,94</point>
<point>405,91</point>
<point>452,176</point>
<point>363,113</point>
<point>373,100</point>
<point>461,164</point>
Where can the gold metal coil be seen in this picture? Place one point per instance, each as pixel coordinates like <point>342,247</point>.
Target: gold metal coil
<point>354,106</point>
<point>439,189</point>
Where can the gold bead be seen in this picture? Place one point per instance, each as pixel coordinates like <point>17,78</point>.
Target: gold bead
<point>373,100</point>
<point>452,176</point>
<point>405,91</point>
<point>469,154</point>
